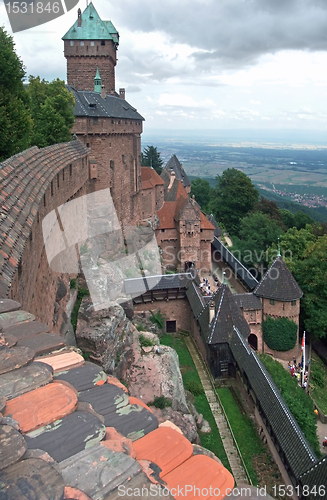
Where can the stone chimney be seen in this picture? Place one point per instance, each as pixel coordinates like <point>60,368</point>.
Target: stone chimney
<point>103,92</point>
<point>122,93</point>
<point>212,312</point>
<point>172,178</point>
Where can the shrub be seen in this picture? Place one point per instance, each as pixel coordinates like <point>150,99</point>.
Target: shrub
<point>318,374</point>
<point>195,387</point>
<point>160,402</point>
<point>296,399</point>
<point>73,283</point>
<point>140,328</point>
<point>146,341</point>
<point>279,334</point>
<point>158,319</point>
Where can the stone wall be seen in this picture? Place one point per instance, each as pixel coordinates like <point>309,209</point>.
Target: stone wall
<point>83,61</point>
<point>116,150</point>
<point>35,285</point>
<point>173,310</point>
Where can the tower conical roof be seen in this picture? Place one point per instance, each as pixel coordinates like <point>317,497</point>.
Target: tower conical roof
<point>92,27</point>
<point>278,283</point>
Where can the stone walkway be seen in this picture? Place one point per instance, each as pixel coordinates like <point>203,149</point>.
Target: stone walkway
<point>224,431</point>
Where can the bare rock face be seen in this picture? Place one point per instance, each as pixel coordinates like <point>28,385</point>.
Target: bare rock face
<point>105,334</point>
<point>185,422</point>
<point>155,372</point>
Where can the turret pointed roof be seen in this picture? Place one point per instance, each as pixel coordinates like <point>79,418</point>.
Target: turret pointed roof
<point>227,315</point>
<point>92,27</point>
<point>175,165</point>
<point>278,283</point>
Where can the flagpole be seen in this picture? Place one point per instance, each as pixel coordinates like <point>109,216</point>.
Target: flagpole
<point>303,365</point>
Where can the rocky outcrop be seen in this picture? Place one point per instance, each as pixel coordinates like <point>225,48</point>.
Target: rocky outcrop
<point>185,422</point>
<point>106,335</point>
<point>155,372</point>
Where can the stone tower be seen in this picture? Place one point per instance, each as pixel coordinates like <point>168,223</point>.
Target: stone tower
<point>90,45</point>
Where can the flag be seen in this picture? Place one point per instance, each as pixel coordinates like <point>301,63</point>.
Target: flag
<point>303,351</point>
<point>303,357</point>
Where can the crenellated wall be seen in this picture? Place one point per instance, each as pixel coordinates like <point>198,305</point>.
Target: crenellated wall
<point>33,183</point>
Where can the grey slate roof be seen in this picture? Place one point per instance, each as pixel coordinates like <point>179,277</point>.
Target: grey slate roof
<point>138,286</point>
<point>278,283</point>
<point>315,477</point>
<point>227,315</point>
<point>90,103</point>
<point>213,221</point>
<point>247,301</point>
<point>24,178</point>
<point>293,443</point>
<point>195,299</point>
<point>175,165</point>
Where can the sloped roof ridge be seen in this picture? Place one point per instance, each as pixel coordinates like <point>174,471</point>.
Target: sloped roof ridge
<point>218,312</point>
<point>92,27</point>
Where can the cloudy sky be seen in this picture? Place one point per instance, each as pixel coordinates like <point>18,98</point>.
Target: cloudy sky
<point>200,64</point>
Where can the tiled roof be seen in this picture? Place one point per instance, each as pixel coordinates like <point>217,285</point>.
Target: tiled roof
<point>92,27</point>
<point>176,191</point>
<point>205,223</point>
<point>278,283</point>
<point>195,299</point>
<point>227,315</point>
<point>150,178</point>
<point>90,103</point>
<point>166,215</point>
<point>315,477</point>
<point>134,286</point>
<point>272,406</point>
<point>85,421</point>
<point>213,221</point>
<point>247,301</point>
<point>24,178</point>
<point>175,165</point>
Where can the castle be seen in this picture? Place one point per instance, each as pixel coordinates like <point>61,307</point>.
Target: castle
<point>107,155</point>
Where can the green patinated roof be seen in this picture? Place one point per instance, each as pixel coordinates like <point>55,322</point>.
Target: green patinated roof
<point>97,75</point>
<point>92,28</point>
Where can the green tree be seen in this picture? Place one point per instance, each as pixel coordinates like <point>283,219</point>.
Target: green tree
<point>151,158</point>
<point>202,192</point>
<point>15,118</point>
<point>271,209</point>
<point>234,196</point>
<point>311,274</point>
<point>258,231</point>
<point>52,109</point>
<point>293,245</point>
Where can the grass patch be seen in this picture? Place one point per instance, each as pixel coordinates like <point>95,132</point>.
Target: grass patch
<point>160,402</point>
<point>245,434</point>
<point>82,292</point>
<point>318,382</point>
<point>212,441</point>
<point>146,341</point>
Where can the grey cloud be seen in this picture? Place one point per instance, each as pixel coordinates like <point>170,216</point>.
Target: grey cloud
<point>230,32</point>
